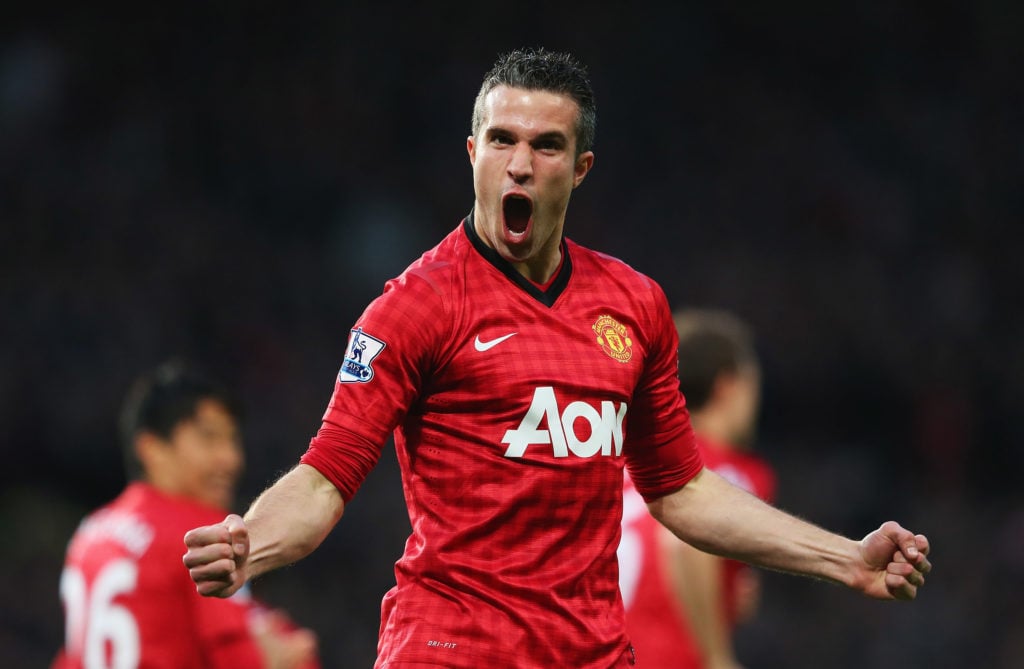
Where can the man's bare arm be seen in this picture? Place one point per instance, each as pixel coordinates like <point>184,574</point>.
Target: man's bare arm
<point>285,523</point>
<point>717,517</point>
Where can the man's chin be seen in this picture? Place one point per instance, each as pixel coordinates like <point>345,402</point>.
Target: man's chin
<point>219,497</point>
<point>517,259</point>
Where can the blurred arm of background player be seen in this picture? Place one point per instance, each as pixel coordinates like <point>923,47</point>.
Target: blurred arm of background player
<point>721,379</point>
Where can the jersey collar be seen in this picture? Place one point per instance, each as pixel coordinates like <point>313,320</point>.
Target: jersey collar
<point>545,297</point>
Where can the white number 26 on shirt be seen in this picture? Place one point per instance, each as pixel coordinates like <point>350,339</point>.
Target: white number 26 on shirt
<point>94,619</point>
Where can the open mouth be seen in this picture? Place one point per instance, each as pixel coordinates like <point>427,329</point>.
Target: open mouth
<point>517,210</point>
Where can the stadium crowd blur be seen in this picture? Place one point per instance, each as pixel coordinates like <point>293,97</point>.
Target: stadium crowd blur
<point>234,185</point>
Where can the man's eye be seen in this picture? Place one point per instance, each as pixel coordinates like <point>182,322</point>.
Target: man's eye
<point>549,144</point>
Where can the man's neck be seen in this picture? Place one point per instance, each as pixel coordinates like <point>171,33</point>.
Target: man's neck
<point>714,427</point>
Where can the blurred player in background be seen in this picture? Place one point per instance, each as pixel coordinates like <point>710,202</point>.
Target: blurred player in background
<point>681,603</point>
<point>519,372</point>
<point>127,602</point>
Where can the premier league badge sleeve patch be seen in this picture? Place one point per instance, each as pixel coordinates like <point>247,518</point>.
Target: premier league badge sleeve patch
<point>362,349</point>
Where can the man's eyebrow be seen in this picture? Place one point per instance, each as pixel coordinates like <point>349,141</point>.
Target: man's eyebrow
<point>544,136</point>
<point>556,135</point>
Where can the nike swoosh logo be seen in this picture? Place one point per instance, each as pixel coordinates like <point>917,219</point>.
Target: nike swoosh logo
<point>481,345</point>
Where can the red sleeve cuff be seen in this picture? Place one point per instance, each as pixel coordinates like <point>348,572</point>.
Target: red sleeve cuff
<point>343,457</point>
<point>666,467</point>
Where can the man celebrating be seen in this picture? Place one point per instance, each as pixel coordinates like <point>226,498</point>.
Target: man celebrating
<point>536,370</point>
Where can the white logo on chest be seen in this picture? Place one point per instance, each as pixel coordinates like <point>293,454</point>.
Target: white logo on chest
<point>482,345</point>
<point>605,427</point>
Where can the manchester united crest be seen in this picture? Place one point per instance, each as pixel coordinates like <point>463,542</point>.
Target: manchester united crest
<point>612,337</point>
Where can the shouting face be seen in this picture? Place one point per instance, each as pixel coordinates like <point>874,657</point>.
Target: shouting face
<point>524,169</point>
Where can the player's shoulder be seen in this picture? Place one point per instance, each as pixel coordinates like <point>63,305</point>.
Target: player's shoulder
<point>611,280</point>
<point>434,271</point>
<point>763,473</point>
<point>170,515</point>
<point>750,471</point>
<point>123,526</point>
<point>591,263</point>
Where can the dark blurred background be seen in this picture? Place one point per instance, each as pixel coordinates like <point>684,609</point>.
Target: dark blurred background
<point>234,182</point>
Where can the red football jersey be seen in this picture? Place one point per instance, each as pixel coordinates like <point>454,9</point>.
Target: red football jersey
<point>128,600</point>
<point>657,623</point>
<point>514,411</point>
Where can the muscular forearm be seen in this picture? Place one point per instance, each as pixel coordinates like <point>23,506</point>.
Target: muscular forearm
<point>719,518</point>
<point>290,519</point>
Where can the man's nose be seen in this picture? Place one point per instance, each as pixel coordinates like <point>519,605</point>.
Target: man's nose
<point>520,165</point>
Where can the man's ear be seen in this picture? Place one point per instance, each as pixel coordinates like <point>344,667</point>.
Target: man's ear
<point>724,386</point>
<point>149,450</point>
<point>584,163</point>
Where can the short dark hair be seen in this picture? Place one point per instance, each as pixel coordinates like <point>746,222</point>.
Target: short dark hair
<point>711,342</point>
<point>537,69</point>
<point>162,399</point>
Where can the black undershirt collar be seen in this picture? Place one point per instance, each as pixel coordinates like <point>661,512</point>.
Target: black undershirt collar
<point>545,297</point>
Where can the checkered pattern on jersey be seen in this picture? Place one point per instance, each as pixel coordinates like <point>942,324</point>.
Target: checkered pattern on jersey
<point>515,410</point>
